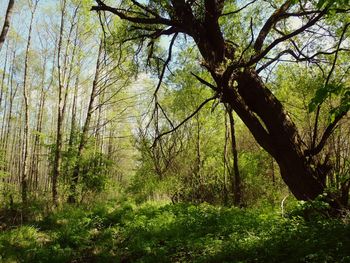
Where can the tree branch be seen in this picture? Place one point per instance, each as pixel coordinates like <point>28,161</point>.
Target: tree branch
<point>239,10</point>
<point>185,120</point>
<point>327,133</point>
<point>166,63</point>
<point>273,19</point>
<point>203,81</point>
<point>260,55</point>
<point>125,14</point>
<point>331,126</point>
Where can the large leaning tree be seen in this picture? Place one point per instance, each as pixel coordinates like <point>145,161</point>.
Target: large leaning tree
<point>298,31</point>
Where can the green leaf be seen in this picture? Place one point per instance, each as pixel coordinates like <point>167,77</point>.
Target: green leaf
<point>343,107</point>
<point>321,3</point>
<point>324,93</point>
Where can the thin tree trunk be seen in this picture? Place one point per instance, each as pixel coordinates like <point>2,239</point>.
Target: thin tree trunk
<point>84,135</point>
<point>12,95</point>
<point>226,167</point>
<point>236,182</point>
<point>6,25</point>
<point>98,131</point>
<point>24,178</point>
<point>278,135</point>
<point>3,93</point>
<point>73,124</point>
<point>60,108</point>
<point>273,177</point>
<point>16,166</point>
<point>4,123</point>
<point>3,76</point>
<point>39,123</point>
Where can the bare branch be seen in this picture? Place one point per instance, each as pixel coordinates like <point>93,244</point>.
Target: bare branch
<point>260,55</point>
<point>126,15</point>
<point>239,10</point>
<point>284,52</point>
<point>185,120</point>
<point>145,8</point>
<point>273,19</point>
<point>203,81</point>
<point>166,62</point>
<point>297,56</point>
<point>327,133</point>
<point>166,115</point>
<point>251,39</point>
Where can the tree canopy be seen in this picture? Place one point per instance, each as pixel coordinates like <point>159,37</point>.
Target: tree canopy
<point>240,46</point>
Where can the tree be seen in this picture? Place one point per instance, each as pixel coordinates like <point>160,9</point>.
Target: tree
<point>65,65</point>
<point>60,111</point>
<point>237,65</point>
<point>234,173</point>
<point>84,136</point>
<point>45,91</point>
<point>6,25</point>
<point>24,178</point>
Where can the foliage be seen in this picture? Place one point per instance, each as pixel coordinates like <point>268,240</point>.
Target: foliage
<point>95,168</point>
<point>175,233</point>
<point>337,3</point>
<point>193,165</point>
<point>326,92</point>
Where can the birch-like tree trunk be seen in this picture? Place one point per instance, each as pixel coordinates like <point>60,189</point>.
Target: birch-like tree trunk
<point>24,177</point>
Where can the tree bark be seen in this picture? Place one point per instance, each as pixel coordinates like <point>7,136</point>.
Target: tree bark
<point>60,112</point>
<point>265,117</point>
<point>276,133</point>
<point>34,171</point>
<point>24,178</point>
<point>11,98</point>
<point>6,25</point>
<point>236,182</point>
<point>3,76</point>
<point>2,94</point>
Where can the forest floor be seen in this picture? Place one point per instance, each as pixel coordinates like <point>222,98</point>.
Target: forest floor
<point>155,232</point>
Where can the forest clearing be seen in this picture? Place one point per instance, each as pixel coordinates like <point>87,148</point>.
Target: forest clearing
<point>174,131</point>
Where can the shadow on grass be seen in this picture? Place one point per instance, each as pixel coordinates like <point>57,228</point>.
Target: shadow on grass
<point>175,233</point>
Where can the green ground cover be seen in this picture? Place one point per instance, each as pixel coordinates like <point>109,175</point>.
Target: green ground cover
<point>175,233</point>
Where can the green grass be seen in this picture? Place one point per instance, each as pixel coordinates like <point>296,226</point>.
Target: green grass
<point>175,233</point>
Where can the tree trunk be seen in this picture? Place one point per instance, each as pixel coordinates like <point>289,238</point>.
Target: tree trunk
<point>12,94</point>
<point>73,128</point>
<point>225,159</point>
<point>238,84</point>
<point>39,123</point>
<point>3,77</point>
<point>236,180</point>
<point>84,135</point>
<point>2,94</point>
<point>6,26</point>
<point>60,111</point>
<point>24,178</point>
<point>259,109</point>
<point>276,133</point>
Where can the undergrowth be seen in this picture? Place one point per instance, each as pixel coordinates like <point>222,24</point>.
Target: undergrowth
<point>175,233</point>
